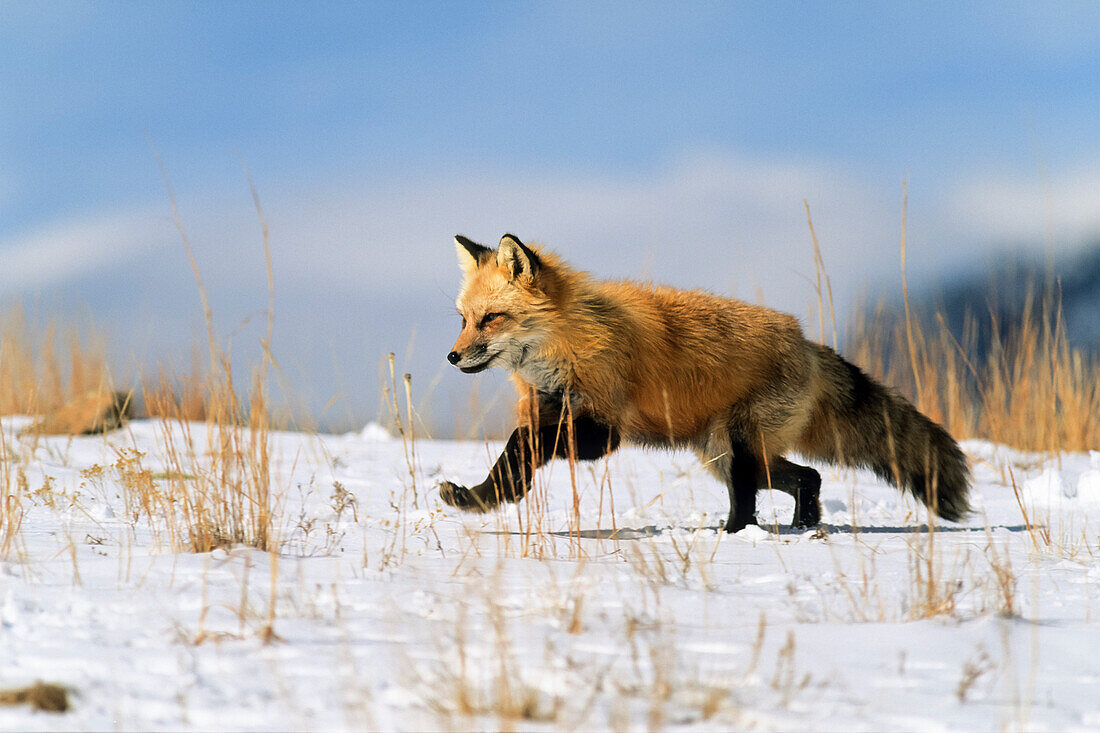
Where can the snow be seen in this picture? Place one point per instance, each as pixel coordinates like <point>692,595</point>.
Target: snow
<point>392,611</point>
<point>374,432</point>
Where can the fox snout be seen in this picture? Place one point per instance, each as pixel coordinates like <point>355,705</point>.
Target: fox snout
<point>472,359</point>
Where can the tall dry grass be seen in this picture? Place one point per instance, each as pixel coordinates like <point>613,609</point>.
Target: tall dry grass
<point>1020,384</point>
<point>44,366</point>
<point>215,489</point>
<point>219,484</point>
<point>12,484</point>
<point>216,486</point>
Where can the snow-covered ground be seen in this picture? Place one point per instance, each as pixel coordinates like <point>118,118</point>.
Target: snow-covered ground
<point>394,612</point>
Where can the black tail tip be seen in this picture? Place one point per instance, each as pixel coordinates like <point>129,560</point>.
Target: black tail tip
<point>958,510</point>
<point>950,500</point>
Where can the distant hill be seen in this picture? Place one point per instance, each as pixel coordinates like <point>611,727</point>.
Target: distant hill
<point>1004,291</point>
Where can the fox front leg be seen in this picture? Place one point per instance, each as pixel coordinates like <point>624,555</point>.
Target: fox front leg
<point>509,479</point>
<point>526,450</point>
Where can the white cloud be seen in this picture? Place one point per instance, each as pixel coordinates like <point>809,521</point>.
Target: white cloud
<point>60,252</point>
<point>1015,209</point>
<point>729,223</point>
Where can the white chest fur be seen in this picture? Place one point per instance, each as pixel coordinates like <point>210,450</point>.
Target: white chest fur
<point>542,375</point>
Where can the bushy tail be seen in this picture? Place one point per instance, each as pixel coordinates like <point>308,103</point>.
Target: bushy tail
<point>858,422</point>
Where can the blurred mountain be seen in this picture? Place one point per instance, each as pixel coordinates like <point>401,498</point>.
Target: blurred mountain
<point>1020,282</point>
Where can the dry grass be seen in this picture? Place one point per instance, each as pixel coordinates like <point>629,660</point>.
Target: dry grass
<point>230,501</point>
<point>225,497</point>
<point>1016,383</point>
<point>43,367</point>
<point>170,396</point>
<point>1030,389</point>
<point>215,489</point>
<point>12,485</point>
<point>40,696</point>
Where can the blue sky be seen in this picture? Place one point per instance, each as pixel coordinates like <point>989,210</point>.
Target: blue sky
<point>674,141</point>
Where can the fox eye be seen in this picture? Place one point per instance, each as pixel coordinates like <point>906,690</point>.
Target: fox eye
<point>490,317</point>
<point>464,321</point>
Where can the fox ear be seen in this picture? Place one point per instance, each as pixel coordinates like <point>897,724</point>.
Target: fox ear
<point>470,253</point>
<point>515,257</point>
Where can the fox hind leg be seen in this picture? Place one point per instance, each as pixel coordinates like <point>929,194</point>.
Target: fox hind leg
<point>744,472</point>
<point>802,483</point>
<point>744,467</point>
<point>728,456</point>
<point>747,474</point>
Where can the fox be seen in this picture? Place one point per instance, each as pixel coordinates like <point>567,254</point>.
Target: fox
<point>598,363</point>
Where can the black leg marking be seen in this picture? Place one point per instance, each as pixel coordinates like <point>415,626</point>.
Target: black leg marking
<point>592,439</point>
<point>511,476</point>
<point>744,468</point>
<point>802,483</point>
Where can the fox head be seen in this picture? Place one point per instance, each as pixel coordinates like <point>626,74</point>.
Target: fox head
<point>502,303</point>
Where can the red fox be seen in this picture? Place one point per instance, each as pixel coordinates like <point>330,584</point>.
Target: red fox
<point>597,363</point>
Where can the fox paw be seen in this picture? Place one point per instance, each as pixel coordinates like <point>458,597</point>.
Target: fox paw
<point>736,524</point>
<point>459,496</point>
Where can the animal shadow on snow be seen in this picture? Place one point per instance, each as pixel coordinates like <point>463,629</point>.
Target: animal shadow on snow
<point>638,533</point>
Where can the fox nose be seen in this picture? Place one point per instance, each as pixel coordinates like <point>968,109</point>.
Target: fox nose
<point>453,357</point>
